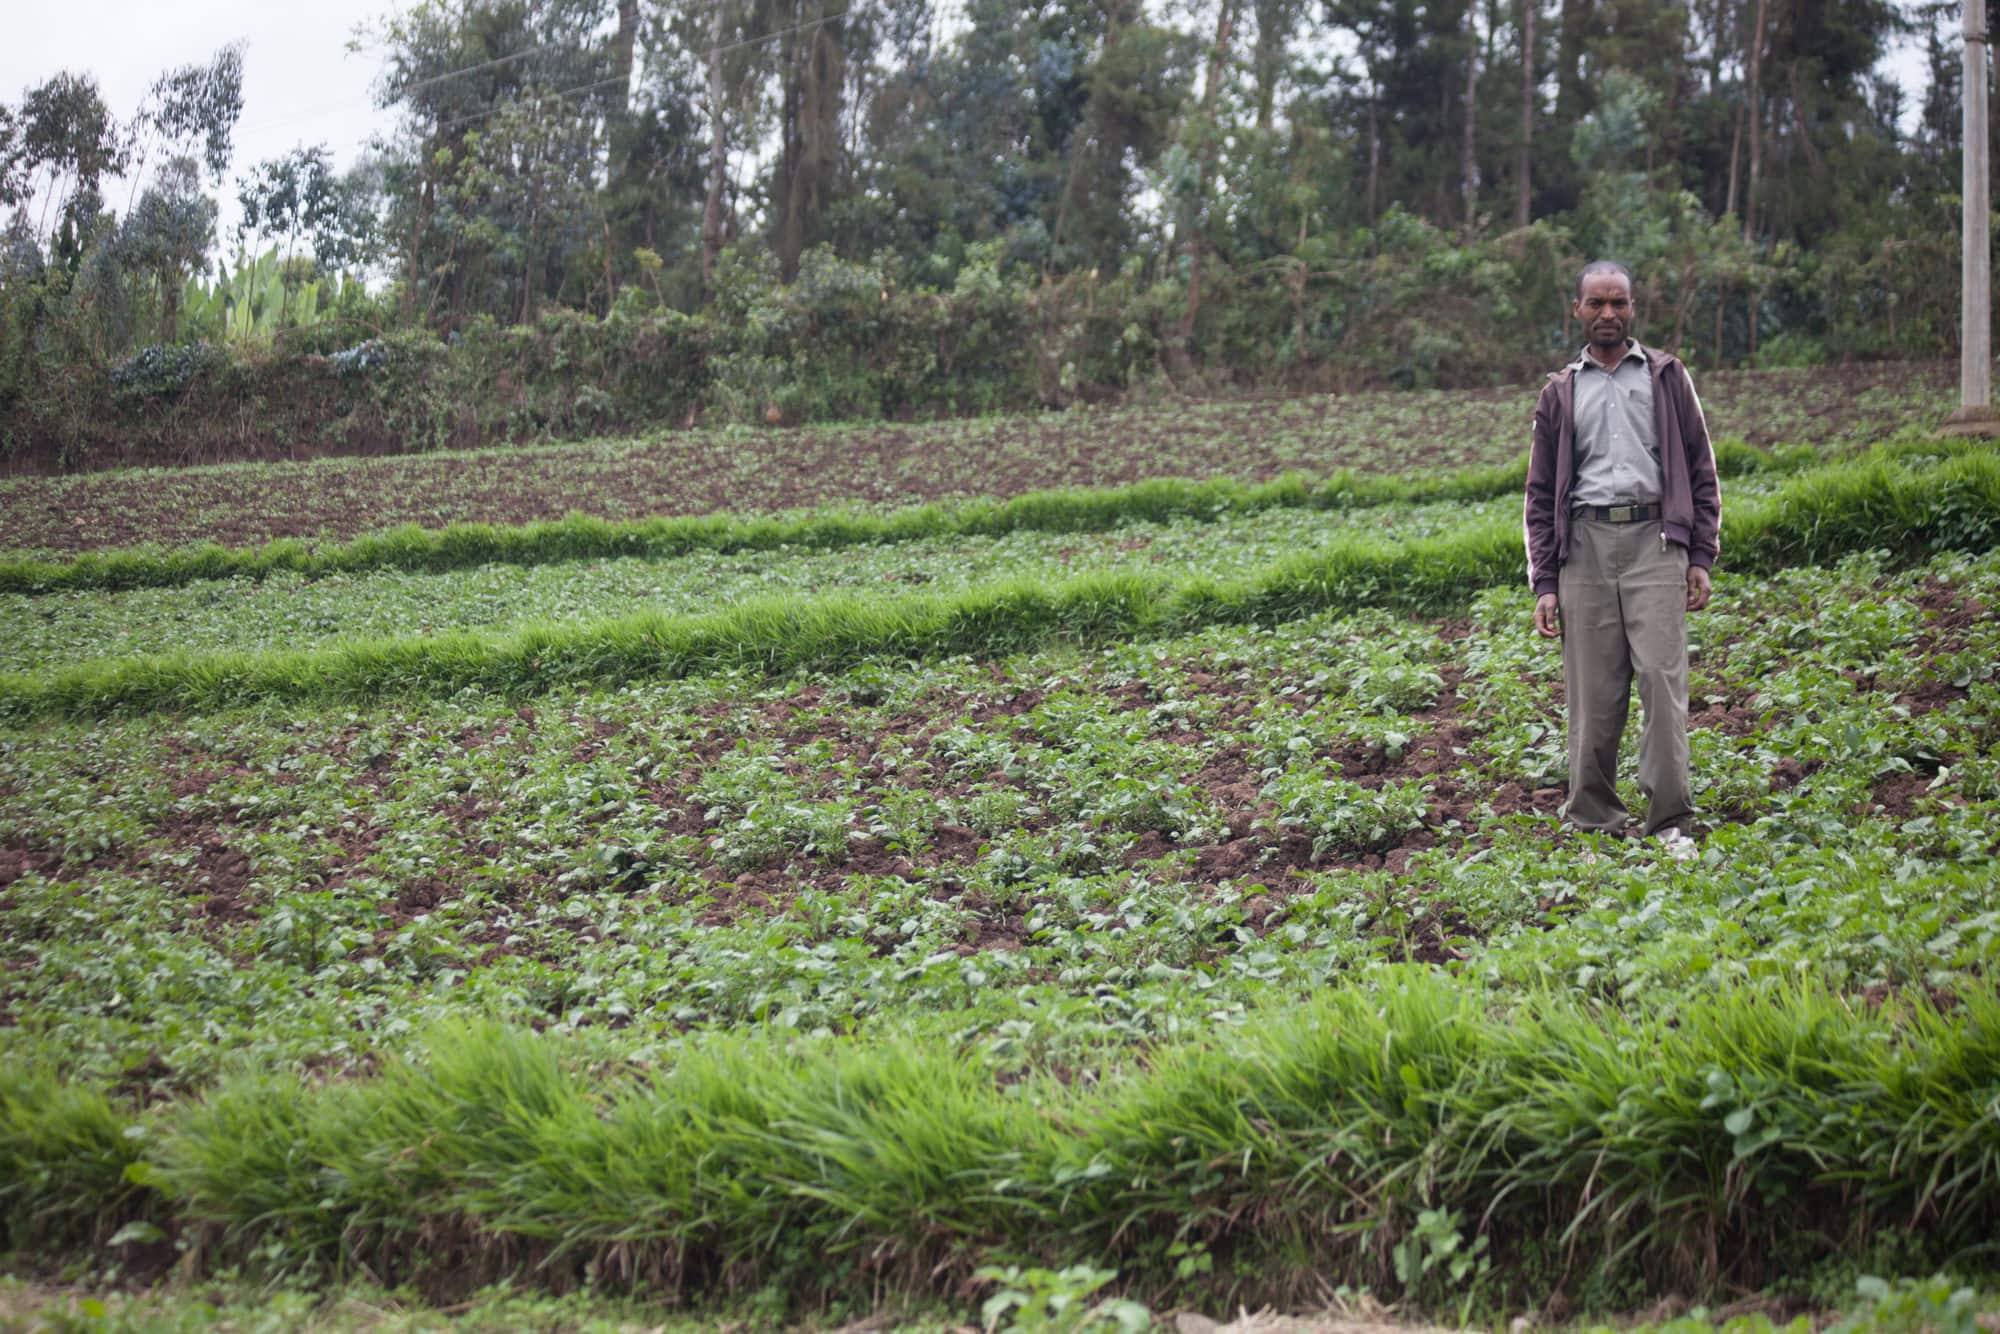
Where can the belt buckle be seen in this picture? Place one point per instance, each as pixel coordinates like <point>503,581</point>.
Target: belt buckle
<point>1622,513</point>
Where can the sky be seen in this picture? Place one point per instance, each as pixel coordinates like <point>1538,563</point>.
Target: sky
<point>301,83</point>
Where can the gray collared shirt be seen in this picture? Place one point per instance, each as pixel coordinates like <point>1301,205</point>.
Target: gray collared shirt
<point>1617,440</point>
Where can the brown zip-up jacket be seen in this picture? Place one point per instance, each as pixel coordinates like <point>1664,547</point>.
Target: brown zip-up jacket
<point>1690,497</point>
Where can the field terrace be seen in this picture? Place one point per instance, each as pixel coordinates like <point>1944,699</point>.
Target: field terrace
<point>1253,937</point>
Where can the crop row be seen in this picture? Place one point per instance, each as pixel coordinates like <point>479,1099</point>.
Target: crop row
<point>1909,504</point>
<point>294,612</point>
<point>1036,856</point>
<point>1389,1012</point>
<point>706,472</point>
<point>1743,1139</point>
<point>579,538</point>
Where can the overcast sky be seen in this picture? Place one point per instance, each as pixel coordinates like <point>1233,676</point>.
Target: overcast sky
<point>301,84</point>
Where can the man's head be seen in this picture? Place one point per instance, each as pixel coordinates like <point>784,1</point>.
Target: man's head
<point>1604,303</point>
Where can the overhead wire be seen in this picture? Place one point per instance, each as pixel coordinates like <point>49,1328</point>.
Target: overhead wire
<point>497,61</point>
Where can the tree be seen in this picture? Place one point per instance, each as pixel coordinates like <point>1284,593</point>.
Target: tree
<point>62,143</point>
<point>1133,92</point>
<point>812,69</point>
<point>1276,20</point>
<point>718,148</point>
<point>296,196</point>
<point>1201,137</point>
<point>505,112</point>
<point>1524,162</point>
<point>168,233</point>
<point>198,106</point>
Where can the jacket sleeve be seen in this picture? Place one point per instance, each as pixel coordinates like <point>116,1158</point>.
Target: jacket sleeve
<point>1538,521</point>
<point>1705,542</point>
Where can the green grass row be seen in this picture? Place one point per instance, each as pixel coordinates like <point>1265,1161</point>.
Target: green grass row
<point>1069,510</point>
<point>1747,1139</point>
<point>1953,504</point>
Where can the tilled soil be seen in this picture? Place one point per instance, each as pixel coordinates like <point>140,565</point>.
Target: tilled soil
<point>700,472</point>
<point>1447,750</point>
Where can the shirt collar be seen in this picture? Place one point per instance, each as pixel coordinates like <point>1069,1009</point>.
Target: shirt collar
<point>1584,359</point>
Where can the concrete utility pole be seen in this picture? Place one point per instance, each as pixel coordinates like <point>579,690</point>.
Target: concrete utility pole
<point>1975,344</point>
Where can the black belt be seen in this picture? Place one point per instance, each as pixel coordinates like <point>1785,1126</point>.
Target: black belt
<point>1617,513</point>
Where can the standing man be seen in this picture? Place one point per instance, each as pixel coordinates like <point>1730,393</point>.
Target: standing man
<point>1623,519</point>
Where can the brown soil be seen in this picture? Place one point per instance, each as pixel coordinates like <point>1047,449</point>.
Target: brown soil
<point>701,473</point>
<point>1898,794</point>
<point>1949,612</point>
<point>1931,695</point>
<point>17,860</point>
<point>1731,719</point>
<point>835,747</point>
<point>221,874</point>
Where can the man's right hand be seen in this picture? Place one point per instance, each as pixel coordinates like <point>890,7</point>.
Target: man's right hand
<point>1548,623</point>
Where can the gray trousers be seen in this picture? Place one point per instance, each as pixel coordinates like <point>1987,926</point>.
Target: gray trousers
<point>1623,598</point>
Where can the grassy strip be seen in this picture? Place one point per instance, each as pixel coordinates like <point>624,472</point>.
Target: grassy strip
<point>1953,505</point>
<point>68,1174</point>
<point>1072,510</point>
<point>1741,1139</point>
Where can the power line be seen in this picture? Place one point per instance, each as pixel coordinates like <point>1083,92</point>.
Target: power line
<point>777,32</point>
<point>448,75</point>
<point>560,95</point>
<point>436,79</point>
<point>497,61</point>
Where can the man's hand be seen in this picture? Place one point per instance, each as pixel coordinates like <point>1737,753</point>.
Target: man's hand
<point>1699,590</point>
<point>1548,623</point>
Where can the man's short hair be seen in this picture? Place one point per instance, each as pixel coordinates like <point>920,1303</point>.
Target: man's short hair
<point>1597,266</point>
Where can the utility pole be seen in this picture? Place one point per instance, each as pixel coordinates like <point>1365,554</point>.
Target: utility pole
<point>1975,342</point>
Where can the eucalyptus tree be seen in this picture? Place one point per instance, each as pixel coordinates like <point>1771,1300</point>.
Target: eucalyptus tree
<point>966,138</point>
<point>167,235</point>
<point>60,145</point>
<point>1411,116</point>
<point>297,197</point>
<point>193,109</point>
<point>494,178</point>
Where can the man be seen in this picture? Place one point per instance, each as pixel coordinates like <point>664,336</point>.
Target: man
<point>1623,517</point>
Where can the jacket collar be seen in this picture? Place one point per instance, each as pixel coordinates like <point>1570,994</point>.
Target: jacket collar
<point>1633,348</point>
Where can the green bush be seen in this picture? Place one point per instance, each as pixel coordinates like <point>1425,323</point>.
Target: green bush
<point>1867,504</point>
<point>163,370</point>
<point>1374,1135</point>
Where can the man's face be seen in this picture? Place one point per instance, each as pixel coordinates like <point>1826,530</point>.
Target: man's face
<point>1605,309</point>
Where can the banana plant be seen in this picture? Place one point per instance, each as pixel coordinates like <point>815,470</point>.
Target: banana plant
<point>252,300</point>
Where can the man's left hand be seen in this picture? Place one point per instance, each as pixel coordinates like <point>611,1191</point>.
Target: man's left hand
<point>1698,588</point>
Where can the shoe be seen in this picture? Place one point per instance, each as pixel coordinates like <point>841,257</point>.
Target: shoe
<point>1676,842</point>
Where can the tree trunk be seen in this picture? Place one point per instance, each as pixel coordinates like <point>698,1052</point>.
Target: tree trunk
<point>1754,109</point>
<point>1085,135</point>
<point>619,166</point>
<point>170,305</point>
<point>1273,28</point>
<point>1468,146</point>
<point>1572,94</point>
<point>718,156</point>
<point>530,262</point>
<point>1218,57</point>
<point>813,70</point>
<point>1690,285</point>
<point>1735,158</point>
<point>1524,164</point>
<point>1813,160</point>
<point>791,150</point>
<point>1374,147</point>
<point>1717,44</point>
<point>426,201</point>
<point>622,45</point>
